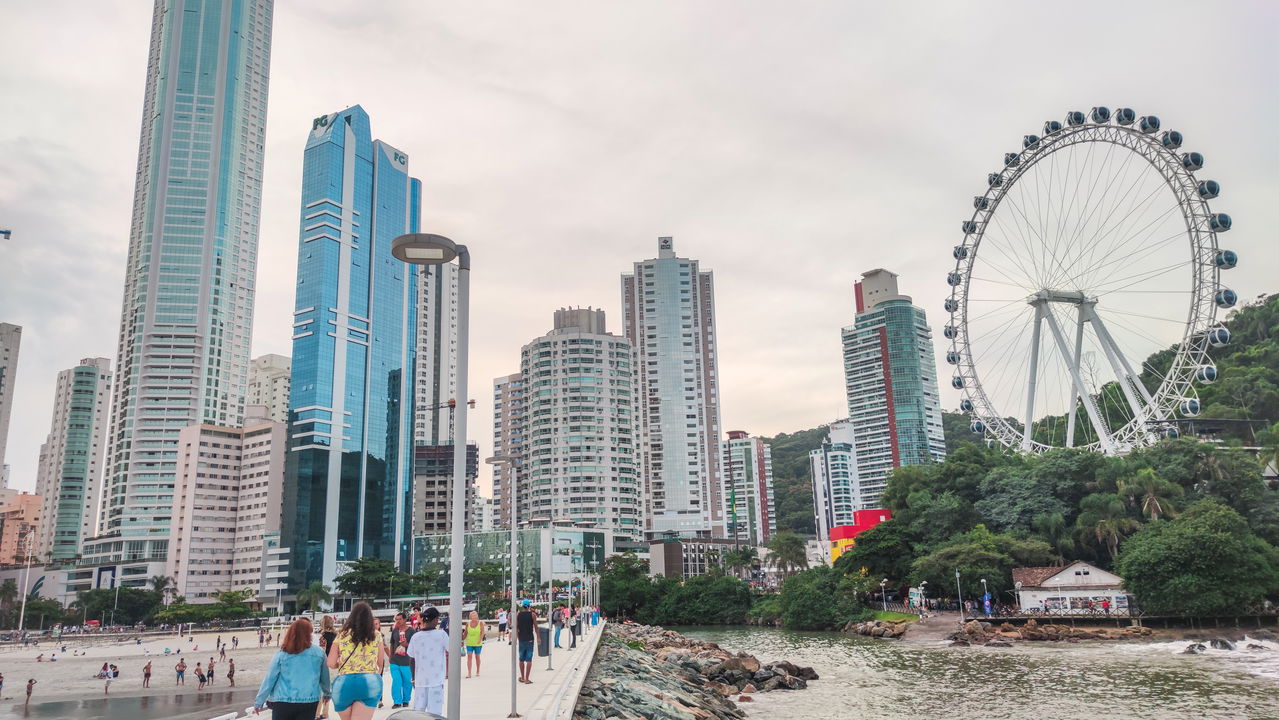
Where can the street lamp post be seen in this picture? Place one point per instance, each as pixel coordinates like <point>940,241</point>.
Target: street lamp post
<point>509,462</point>
<point>961,596</point>
<point>883,593</point>
<point>428,249</point>
<point>985,595</point>
<point>923,596</point>
<point>26,577</point>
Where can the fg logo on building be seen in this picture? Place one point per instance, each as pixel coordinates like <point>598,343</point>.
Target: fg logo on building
<point>320,122</point>
<point>399,158</point>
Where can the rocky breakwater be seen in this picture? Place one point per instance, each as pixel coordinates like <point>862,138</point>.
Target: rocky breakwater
<point>878,628</point>
<point>976,632</point>
<point>643,671</point>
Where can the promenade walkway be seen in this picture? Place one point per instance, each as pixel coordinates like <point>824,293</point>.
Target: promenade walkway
<point>552,696</point>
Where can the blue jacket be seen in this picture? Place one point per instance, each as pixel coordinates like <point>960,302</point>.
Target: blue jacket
<point>299,678</point>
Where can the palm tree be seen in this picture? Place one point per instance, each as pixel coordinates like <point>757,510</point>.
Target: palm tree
<point>313,596</point>
<point>1103,519</point>
<point>740,559</point>
<point>1151,492</point>
<point>162,585</point>
<point>1052,529</point>
<point>787,552</point>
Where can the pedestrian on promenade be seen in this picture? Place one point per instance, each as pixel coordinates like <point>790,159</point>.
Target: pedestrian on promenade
<point>230,672</point>
<point>401,663</point>
<point>557,622</point>
<point>328,633</point>
<point>297,678</point>
<point>574,625</point>
<point>525,623</point>
<point>429,649</point>
<point>358,656</point>
<point>473,633</point>
<point>181,670</point>
<point>501,624</point>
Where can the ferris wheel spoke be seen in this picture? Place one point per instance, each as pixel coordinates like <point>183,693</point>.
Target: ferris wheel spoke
<point>1106,206</point>
<point>1025,264</point>
<point>1029,242</point>
<point>1121,261</point>
<point>1139,234</point>
<point>1101,233</point>
<point>1089,210</point>
<point>1140,277</point>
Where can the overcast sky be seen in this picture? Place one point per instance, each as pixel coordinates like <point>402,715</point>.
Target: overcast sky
<point>787,146</point>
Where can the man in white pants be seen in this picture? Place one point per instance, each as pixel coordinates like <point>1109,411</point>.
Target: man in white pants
<point>429,649</point>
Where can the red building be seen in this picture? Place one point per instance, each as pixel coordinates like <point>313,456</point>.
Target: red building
<point>842,536</point>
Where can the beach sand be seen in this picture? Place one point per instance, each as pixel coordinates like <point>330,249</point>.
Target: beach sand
<point>72,676</point>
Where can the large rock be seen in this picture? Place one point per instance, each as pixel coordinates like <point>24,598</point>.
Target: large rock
<point>1221,644</point>
<point>747,665</point>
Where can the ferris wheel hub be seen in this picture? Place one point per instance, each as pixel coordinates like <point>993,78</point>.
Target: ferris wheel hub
<point>1072,297</point>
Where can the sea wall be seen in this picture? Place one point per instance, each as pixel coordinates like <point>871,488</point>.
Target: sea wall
<point>643,671</point>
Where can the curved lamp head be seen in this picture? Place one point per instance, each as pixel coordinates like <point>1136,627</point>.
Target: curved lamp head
<point>424,249</point>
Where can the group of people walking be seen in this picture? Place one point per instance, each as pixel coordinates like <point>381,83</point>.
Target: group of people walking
<point>347,667</point>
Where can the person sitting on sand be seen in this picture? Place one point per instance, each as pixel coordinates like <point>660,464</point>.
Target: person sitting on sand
<point>40,657</point>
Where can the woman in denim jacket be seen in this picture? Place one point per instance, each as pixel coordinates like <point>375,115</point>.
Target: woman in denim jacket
<point>297,678</point>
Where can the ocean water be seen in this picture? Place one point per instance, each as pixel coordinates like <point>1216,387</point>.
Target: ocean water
<point>891,680</point>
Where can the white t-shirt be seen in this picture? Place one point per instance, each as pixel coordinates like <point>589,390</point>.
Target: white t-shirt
<point>429,648</point>
<point>501,616</point>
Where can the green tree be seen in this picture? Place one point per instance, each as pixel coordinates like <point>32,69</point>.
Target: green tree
<point>1104,521</point>
<point>624,585</point>
<point>1204,562</point>
<point>980,554</point>
<point>885,550</point>
<point>741,559</point>
<point>1153,495</point>
<point>314,597</point>
<point>788,552</point>
<point>819,598</point>
<point>713,599</point>
<point>367,578</point>
<point>134,605</point>
<point>1013,496</point>
<point>1053,530</point>
<point>484,580</point>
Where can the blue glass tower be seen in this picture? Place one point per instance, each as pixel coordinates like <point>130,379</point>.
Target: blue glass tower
<point>350,459</point>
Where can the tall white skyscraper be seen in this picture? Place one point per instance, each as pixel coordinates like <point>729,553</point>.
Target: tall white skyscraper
<point>10,344</point>
<point>183,354</point>
<point>578,459</point>
<point>750,513</point>
<point>269,385</point>
<point>668,309</point>
<point>69,478</point>
<point>436,366</point>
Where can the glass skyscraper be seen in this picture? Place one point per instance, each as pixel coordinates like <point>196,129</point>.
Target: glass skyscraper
<point>349,474</point>
<point>69,478</point>
<point>891,382</point>
<point>183,352</point>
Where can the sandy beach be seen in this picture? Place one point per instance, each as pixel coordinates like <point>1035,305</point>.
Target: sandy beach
<point>72,676</point>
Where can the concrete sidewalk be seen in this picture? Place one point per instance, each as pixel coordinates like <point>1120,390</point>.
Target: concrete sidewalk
<point>551,696</point>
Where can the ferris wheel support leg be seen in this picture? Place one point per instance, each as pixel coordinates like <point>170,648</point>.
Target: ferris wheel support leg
<point>1090,405</point>
<point>1074,399</point>
<point>1026,439</point>
<point>1106,339</point>
<point>1118,364</point>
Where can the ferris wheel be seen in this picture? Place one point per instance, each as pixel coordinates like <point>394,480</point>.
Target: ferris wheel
<point>1086,292</point>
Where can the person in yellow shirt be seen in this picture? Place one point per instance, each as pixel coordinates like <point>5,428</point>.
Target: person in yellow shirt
<point>473,634</point>
<point>358,657</point>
